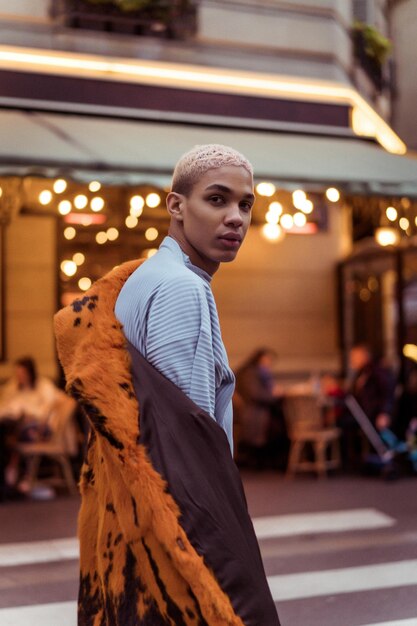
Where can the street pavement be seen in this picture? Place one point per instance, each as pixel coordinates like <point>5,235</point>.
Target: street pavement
<point>337,552</point>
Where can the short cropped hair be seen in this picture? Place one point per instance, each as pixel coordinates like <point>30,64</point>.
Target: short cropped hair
<point>195,163</point>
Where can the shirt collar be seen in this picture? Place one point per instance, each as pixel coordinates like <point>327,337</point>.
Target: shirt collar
<point>172,245</point>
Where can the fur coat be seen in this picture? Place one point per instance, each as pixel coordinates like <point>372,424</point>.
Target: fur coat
<point>165,536</point>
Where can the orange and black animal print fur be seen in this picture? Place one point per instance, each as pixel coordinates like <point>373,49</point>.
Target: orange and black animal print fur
<point>138,566</point>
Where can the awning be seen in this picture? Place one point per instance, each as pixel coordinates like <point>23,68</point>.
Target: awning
<point>126,151</point>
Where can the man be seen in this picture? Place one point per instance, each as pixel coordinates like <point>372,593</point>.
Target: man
<point>164,530</point>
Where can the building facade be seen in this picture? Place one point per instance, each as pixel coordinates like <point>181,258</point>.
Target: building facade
<point>89,94</point>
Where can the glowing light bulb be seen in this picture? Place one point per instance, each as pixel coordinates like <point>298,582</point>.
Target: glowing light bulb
<point>265,189</point>
<point>60,185</point>
<point>387,236</point>
<point>131,221</point>
<point>404,223</point>
<point>80,201</point>
<point>272,218</point>
<point>150,252</point>
<point>151,234</point>
<point>64,207</point>
<point>68,267</point>
<point>112,234</point>
<point>287,221</point>
<point>391,213</point>
<point>84,283</point>
<point>153,200</point>
<point>298,198</point>
<point>70,232</point>
<point>275,208</point>
<point>97,204</point>
<point>78,258</point>
<point>136,206</point>
<point>300,219</point>
<point>333,194</point>
<point>272,232</point>
<point>101,237</point>
<point>45,197</point>
<point>94,186</point>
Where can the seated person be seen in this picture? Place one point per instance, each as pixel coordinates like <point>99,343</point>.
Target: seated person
<point>260,417</point>
<point>26,406</point>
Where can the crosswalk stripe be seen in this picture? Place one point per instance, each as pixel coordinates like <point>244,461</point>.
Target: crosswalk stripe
<point>327,522</point>
<point>62,613</point>
<point>396,622</point>
<point>346,580</point>
<point>27,553</point>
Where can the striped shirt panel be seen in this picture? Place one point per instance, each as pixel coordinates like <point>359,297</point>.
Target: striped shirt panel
<point>169,314</point>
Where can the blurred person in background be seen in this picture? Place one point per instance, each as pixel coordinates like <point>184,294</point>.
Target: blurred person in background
<point>372,384</point>
<point>262,433</point>
<point>26,405</point>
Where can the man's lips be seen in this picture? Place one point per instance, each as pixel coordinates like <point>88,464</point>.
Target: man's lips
<point>231,240</point>
<point>231,237</point>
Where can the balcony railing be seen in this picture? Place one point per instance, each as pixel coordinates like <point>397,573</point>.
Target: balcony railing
<point>171,19</point>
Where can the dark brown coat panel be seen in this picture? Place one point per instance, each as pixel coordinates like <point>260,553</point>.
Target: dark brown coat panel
<point>138,564</point>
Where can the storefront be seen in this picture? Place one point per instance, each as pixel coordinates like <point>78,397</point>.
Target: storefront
<point>84,178</point>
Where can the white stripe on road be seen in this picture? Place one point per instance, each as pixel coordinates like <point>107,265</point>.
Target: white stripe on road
<point>38,552</point>
<point>327,522</point>
<point>265,528</point>
<point>346,580</point>
<point>62,613</point>
<point>397,622</point>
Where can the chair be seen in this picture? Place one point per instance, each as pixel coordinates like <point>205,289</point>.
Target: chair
<point>304,421</point>
<point>59,448</point>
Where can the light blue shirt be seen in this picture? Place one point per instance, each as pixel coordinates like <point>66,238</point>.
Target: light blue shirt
<point>169,314</point>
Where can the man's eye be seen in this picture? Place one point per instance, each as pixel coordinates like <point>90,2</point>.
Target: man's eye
<point>246,206</point>
<point>216,199</point>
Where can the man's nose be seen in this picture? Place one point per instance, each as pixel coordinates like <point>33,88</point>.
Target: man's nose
<point>234,216</point>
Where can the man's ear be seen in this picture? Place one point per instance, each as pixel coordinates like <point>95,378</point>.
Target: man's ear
<point>175,205</point>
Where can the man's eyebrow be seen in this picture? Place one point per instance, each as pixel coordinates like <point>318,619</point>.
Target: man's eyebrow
<point>225,189</point>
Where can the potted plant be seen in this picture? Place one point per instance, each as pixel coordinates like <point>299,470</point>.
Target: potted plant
<point>372,49</point>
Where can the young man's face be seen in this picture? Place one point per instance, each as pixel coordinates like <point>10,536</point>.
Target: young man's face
<point>211,222</point>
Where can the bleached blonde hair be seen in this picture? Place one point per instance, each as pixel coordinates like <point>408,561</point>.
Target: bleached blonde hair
<point>197,161</point>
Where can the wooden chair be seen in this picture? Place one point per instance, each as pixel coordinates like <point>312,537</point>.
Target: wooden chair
<point>304,421</point>
<point>60,448</point>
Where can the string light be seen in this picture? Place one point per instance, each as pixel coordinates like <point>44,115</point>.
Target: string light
<point>287,221</point>
<point>265,189</point>
<point>272,232</point>
<point>333,194</point>
<point>70,232</point>
<point>78,258</point>
<point>391,213</point>
<point>150,252</point>
<point>306,207</point>
<point>136,206</point>
<point>298,198</point>
<point>112,234</point>
<point>94,186</point>
<point>404,223</point>
<point>68,267</point>
<point>151,234</point>
<point>153,200</point>
<point>131,221</point>
<point>386,236</point>
<point>271,217</point>
<point>84,283</point>
<point>80,201</point>
<point>101,237</point>
<point>97,204</point>
<point>45,197</point>
<point>300,219</point>
<point>60,185</point>
<point>64,207</point>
